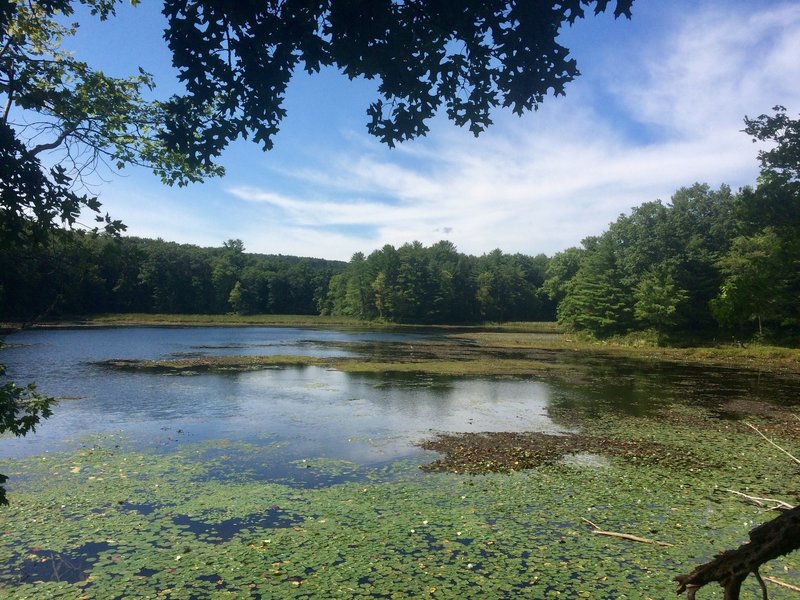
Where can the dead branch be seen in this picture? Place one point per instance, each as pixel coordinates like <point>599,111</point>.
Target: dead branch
<point>625,536</point>
<point>767,542</point>
<point>786,452</point>
<point>761,501</point>
<point>783,584</point>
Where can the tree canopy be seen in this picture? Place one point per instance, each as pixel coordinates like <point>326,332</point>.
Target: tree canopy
<point>237,58</point>
<point>709,262</point>
<point>235,61</point>
<point>61,108</point>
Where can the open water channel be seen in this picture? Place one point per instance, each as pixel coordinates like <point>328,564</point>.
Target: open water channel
<point>363,418</point>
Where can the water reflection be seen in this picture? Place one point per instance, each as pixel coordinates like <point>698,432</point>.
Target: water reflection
<point>363,418</point>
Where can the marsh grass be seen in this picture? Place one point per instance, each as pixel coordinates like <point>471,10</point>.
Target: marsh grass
<point>488,353</point>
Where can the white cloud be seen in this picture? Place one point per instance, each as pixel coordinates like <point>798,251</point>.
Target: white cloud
<point>720,64</point>
<point>542,183</point>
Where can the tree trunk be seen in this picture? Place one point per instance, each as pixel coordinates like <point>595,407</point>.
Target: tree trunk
<point>730,568</point>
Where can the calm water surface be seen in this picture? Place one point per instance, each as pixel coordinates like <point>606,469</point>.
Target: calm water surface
<point>320,412</point>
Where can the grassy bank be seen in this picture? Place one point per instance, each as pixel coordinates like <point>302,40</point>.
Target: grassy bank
<point>233,320</point>
<point>169,320</point>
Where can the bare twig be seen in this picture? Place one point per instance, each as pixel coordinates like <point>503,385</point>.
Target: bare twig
<point>66,132</point>
<point>625,536</point>
<point>761,584</point>
<point>786,452</point>
<point>761,501</point>
<point>780,583</point>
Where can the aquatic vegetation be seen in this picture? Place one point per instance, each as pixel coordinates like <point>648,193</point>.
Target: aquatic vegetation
<point>110,521</point>
<point>506,452</point>
<point>271,515</point>
<point>202,364</point>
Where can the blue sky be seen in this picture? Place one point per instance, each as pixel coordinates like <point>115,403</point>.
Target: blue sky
<point>659,106</point>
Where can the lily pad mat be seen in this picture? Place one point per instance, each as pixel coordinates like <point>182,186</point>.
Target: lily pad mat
<point>108,522</point>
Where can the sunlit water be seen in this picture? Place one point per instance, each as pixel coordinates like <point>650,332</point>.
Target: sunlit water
<point>319,412</point>
<point>322,412</point>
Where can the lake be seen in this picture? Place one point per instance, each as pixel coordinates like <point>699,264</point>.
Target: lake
<point>304,481</point>
<point>359,417</point>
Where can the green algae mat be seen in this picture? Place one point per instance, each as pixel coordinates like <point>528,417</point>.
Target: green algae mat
<point>111,521</point>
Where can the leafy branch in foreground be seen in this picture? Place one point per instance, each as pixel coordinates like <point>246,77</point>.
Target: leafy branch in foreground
<point>465,58</point>
<point>21,410</point>
<point>61,120</point>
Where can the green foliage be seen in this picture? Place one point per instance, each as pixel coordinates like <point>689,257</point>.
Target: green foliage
<point>415,284</point>
<point>762,279</point>
<point>560,269</point>
<point>782,161</point>
<point>21,410</point>
<point>754,285</point>
<point>656,268</point>
<point>236,60</point>
<point>707,259</point>
<point>597,300</point>
<point>658,298</point>
<point>81,117</point>
<point>78,273</point>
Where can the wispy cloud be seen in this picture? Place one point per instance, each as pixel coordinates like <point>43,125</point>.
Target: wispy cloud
<point>657,112</point>
<point>720,63</point>
<point>542,183</point>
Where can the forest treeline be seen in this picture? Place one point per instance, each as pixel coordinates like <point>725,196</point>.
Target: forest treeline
<point>78,273</point>
<point>438,284</point>
<point>708,263</point>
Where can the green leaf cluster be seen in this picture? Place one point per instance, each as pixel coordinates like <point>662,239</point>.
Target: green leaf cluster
<point>709,263</point>
<point>79,117</point>
<point>236,61</point>
<point>21,410</point>
<point>438,284</point>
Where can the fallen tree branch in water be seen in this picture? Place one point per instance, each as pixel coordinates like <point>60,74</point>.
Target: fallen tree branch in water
<point>774,538</point>
<point>761,501</point>
<point>783,584</point>
<point>768,541</point>
<point>786,452</point>
<point>625,536</point>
